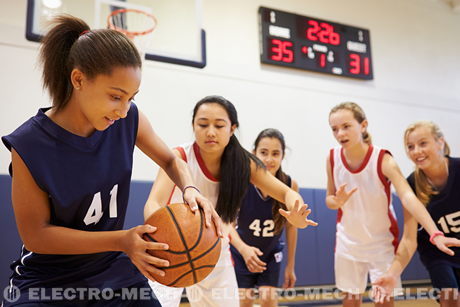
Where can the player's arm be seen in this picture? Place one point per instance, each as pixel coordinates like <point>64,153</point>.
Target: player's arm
<point>176,169</point>
<point>335,199</point>
<point>32,212</point>
<point>385,285</point>
<point>291,242</point>
<point>160,193</point>
<point>249,253</point>
<point>297,213</point>
<point>410,202</point>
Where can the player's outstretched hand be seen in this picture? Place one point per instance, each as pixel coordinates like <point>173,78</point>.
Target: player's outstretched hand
<point>133,245</point>
<point>443,243</point>
<point>341,196</point>
<point>383,287</point>
<point>194,199</point>
<point>298,216</point>
<point>251,258</point>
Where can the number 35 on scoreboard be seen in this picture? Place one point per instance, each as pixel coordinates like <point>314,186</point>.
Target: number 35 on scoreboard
<point>308,43</point>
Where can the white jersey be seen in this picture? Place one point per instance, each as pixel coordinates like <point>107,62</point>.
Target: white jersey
<point>219,288</point>
<point>366,224</point>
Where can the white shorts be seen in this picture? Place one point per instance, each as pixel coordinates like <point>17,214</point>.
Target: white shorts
<point>351,276</point>
<point>218,289</point>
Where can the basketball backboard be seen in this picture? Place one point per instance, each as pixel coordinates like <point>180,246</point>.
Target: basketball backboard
<point>178,37</point>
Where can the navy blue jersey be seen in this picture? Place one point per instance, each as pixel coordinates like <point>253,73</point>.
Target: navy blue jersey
<point>256,226</point>
<point>444,208</point>
<point>87,180</point>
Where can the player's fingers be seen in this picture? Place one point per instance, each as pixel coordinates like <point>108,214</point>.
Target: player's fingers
<point>259,262</point>
<point>156,245</point>
<point>155,262</point>
<point>284,213</point>
<point>352,191</point>
<point>312,223</point>
<point>446,250</point>
<point>147,228</point>
<point>218,223</point>
<point>258,251</point>
<point>452,242</point>
<point>192,203</point>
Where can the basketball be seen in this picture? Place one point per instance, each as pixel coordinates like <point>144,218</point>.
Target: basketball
<point>193,248</point>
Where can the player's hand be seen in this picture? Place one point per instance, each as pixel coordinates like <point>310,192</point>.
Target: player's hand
<point>443,243</point>
<point>133,245</point>
<point>298,216</point>
<point>289,278</point>
<point>341,196</point>
<point>251,258</point>
<point>194,199</point>
<point>383,287</point>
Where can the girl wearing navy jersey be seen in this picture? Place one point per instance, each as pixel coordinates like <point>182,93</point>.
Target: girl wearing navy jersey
<point>436,182</point>
<point>256,244</point>
<point>223,170</point>
<point>359,177</point>
<point>71,170</point>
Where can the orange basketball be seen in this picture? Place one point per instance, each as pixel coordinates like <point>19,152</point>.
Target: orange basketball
<point>193,248</point>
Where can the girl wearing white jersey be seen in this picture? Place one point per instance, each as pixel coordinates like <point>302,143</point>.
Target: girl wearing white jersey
<point>222,170</point>
<point>367,233</point>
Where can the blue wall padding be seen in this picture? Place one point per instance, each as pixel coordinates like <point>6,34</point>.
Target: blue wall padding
<point>315,246</point>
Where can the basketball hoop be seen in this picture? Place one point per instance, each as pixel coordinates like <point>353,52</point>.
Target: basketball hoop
<point>135,24</point>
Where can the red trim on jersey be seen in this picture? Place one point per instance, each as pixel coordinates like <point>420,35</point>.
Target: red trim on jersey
<point>363,164</point>
<point>203,167</point>
<point>331,160</point>
<point>394,230</point>
<point>182,153</point>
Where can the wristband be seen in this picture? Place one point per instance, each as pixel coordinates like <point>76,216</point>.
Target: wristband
<point>188,187</point>
<point>434,235</point>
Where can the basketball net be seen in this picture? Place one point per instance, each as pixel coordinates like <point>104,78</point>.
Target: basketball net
<point>136,24</point>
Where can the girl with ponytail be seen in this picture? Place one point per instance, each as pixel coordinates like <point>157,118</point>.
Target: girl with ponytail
<point>71,172</point>
<point>256,242</point>
<point>359,179</point>
<point>223,171</point>
<point>436,182</point>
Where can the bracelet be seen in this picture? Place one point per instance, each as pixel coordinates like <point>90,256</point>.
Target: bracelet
<point>434,235</point>
<point>188,187</point>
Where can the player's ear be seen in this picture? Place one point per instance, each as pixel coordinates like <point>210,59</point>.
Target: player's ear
<point>232,129</point>
<point>76,77</point>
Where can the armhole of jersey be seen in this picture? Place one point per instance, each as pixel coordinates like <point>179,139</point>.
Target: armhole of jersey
<point>182,153</point>
<point>331,161</point>
<point>386,183</point>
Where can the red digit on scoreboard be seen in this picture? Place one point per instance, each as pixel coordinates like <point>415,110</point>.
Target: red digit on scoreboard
<point>355,63</point>
<point>359,65</point>
<point>282,51</point>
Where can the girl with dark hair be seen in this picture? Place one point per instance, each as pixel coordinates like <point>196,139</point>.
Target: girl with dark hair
<point>223,171</point>
<point>436,182</point>
<point>367,233</point>
<point>256,243</point>
<point>71,172</point>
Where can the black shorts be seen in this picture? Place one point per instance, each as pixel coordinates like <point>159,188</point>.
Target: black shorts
<point>444,275</point>
<point>246,279</point>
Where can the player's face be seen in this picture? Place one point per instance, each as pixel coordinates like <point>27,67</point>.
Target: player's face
<point>423,148</point>
<point>346,129</point>
<point>270,152</point>
<point>212,128</point>
<point>107,98</point>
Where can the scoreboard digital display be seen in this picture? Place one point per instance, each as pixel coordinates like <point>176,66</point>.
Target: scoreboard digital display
<point>314,44</point>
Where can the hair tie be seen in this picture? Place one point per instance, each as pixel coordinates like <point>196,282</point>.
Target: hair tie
<point>84,32</point>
